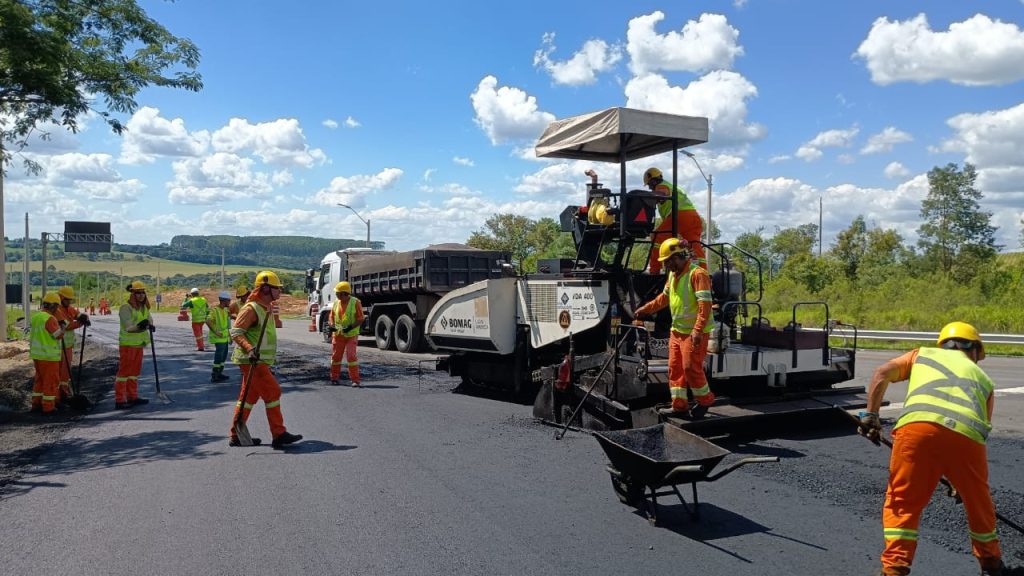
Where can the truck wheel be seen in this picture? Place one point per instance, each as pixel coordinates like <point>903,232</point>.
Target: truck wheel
<point>407,334</point>
<point>384,333</point>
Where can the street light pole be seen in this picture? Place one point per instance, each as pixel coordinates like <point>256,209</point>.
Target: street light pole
<point>365,221</point>
<point>708,179</point>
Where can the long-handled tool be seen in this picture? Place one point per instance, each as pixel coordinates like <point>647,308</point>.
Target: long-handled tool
<point>76,400</point>
<point>156,374</point>
<point>81,357</point>
<point>611,356</point>
<point>241,430</point>
<point>950,490</point>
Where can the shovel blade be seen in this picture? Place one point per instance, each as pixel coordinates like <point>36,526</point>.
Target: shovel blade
<point>242,432</point>
<point>164,398</point>
<point>80,402</point>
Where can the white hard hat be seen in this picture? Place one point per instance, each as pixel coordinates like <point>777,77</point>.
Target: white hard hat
<point>194,291</point>
<point>224,295</point>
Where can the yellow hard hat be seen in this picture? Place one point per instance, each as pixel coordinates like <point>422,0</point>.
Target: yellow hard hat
<point>51,298</point>
<point>241,291</point>
<point>961,331</point>
<point>269,278</point>
<point>673,246</point>
<point>651,173</point>
<point>343,287</point>
<point>67,292</point>
<point>136,285</point>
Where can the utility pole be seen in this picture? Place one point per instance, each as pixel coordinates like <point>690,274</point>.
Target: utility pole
<point>26,293</point>
<point>3,251</point>
<point>819,226</point>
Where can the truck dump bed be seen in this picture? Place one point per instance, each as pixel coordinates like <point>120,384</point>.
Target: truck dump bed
<point>436,269</point>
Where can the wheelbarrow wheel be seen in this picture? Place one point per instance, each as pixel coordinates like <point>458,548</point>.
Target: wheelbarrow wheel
<point>628,491</point>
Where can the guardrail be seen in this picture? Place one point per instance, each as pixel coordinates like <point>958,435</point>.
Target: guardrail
<point>925,336</point>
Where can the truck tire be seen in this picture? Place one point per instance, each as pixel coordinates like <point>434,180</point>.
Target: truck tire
<point>384,333</point>
<point>407,334</point>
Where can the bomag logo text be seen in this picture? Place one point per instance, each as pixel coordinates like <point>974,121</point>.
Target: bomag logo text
<point>460,323</point>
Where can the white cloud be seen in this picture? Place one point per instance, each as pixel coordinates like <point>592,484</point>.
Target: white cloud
<point>976,52</point>
<point>896,170</point>
<point>330,123</point>
<point>463,161</point>
<point>351,122</point>
<point>582,68</point>
<point>846,158</point>
<point>885,140</point>
<point>147,136</point>
<point>278,142</point>
<point>121,192</point>
<point>706,44</point>
<point>352,190</point>
<point>721,96</point>
<point>507,113</point>
<point>811,150</point>
<point>65,169</point>
<point>428,173</point>
<point>779,158</point>
<point>218,178</point>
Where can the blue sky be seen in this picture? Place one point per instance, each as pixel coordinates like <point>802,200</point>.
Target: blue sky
<point>423,115</point>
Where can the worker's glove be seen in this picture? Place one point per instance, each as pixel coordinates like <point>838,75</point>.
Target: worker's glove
<point>870,427</point>
<point>952,492</point>
<point>83,319</point>
<point>638,322</point>
<point>63,323</point>
<point>254,356</point>
<point>332,329</point>
<point>151,328</point>
<point>696,338</point>
<point>144,324</point>
<point>345,328</point>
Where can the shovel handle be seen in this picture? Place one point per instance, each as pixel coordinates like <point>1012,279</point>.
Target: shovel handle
<point>252,368</point>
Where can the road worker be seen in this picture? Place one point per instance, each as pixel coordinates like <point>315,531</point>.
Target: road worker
<point>688,223</point>
<point>942,431</point>
<point>220,323</point>
<point>45,348</point>
<point>241,295</point>
<point>687,294</point>
<point>104,306</point>
<point>245,332</point>
<point>135,334</point>
<point>73,320</point>
<point>92,306</point>
<point>346,318</point>
<point>200,309</point>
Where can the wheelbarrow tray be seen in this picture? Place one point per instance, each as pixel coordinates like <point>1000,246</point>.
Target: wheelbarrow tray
<point>649,455</point>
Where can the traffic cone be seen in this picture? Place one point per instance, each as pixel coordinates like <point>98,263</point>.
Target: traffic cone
<point>183,315</point>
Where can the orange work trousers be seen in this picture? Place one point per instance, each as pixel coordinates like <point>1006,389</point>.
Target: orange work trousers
<point>344,347</point>
<point>686,370</point>
<point>688,226</point>
<point>922,453</point>
<point>262,386</point>
<point>44,388</point>
<point>126,383</point>
<point>197,330</point>
<point>64,386</point>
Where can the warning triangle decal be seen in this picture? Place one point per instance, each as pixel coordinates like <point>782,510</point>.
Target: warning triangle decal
<point>641,216</point>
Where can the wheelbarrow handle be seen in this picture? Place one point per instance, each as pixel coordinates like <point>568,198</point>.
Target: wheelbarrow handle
<point>742,462</point>
<point>679,474</point>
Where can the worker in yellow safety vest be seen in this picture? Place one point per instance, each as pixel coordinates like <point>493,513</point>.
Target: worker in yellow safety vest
<point>200,309</point>
<point>219,322</point>
<point>687,221</point>
<point>346,318</point>
<point>45,349</point>
<point>135,334</point>
<point>73,320</point>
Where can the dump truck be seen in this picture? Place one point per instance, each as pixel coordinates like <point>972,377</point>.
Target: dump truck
<point>565,337</point>
<point>397,289</point>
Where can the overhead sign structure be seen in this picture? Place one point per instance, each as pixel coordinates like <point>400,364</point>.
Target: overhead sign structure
<point>87,237</point>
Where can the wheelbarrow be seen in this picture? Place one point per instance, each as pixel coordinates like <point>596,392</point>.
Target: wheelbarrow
<point>653,461</point>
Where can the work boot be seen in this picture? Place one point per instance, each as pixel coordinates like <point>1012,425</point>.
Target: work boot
<point>994,569</point>
<point>233,441</point>
<point>122,405</point>
<point>699,411</point>
<point>284,439</point>
<point>222,377</point>
<point>334,383</point>
<point>139,402</point>
<point>357,384</point>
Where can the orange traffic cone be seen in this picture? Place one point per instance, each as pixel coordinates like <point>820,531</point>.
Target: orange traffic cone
<point>183,315</point>
<point>313,311</point>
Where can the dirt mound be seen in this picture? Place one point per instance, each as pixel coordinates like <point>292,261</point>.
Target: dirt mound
<point>291,306</point>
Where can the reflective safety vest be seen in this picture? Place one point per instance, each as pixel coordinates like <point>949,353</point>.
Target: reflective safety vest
<point>126,338</point>
<point>947,388</point>
<point>348,318</point>
<point>200,309</point>
<point>42,344</point>
<point>69,336</point>
<point>682,201</point>
<point>682,302</point>
<point>221,323</point>
<point>268,348</point>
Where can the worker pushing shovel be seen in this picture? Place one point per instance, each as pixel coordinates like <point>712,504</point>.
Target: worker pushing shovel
<point>256,352</point>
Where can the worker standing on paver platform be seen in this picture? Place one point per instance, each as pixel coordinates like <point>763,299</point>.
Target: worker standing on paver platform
<point>219,322</point>
<point>72,319</point>
<point>346,317</point>
<point>245,332</point>
<point>45,348</point>
<point>200,309</point>
<point>942,432</point>
<point>687,293</point>
<point>688,223</point>
<point>136,332</point>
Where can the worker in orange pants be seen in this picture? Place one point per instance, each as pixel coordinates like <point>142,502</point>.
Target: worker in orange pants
<point>687,293</point>
<point>45,349</point>
<point>942,431</point>
<point>135,334</point>
<point>346,317</point>
<point>72,319</point>
<point>687,220</point>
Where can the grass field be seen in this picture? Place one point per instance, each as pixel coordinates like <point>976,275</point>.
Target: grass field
<point>130,266</point>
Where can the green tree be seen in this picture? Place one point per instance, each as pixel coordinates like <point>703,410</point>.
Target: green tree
<point>59,59</point>
<point>851,246</point>
<point>507,232</point>
<point>790,242</point>
<point>955,231</point>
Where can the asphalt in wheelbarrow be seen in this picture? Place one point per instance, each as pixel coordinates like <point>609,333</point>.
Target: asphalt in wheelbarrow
<point>650,454</point>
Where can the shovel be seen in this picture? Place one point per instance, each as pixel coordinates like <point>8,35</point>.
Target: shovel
<point>156,375</point>
<point>76,400</point>
<point>241,430</point>
<point>950,490</point>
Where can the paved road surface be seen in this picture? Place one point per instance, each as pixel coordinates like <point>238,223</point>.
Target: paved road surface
<point>405,477</point>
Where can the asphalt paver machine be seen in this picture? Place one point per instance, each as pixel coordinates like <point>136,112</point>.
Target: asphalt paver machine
<point>565,337</point>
